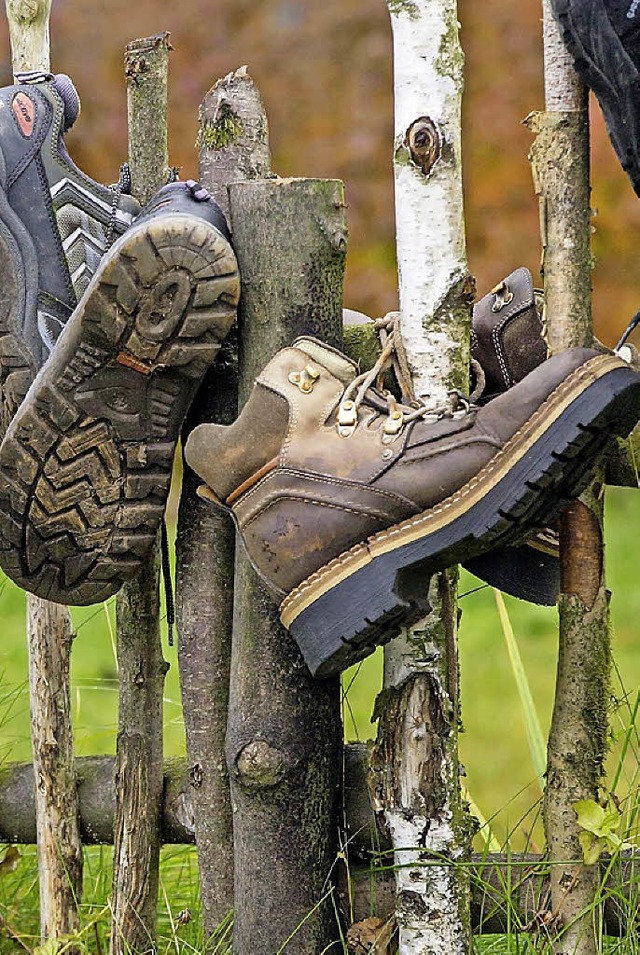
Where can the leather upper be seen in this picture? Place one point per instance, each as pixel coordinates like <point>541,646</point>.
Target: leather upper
<point>312,493</point>
<point>507,333</point>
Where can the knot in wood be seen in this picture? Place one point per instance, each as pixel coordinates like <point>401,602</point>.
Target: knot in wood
<point>196,775</point>
<point>260,766</point>
<point>424,142</point>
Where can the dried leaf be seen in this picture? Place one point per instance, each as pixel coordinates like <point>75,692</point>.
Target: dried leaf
<point>10,860</point>
<point>373,936</point>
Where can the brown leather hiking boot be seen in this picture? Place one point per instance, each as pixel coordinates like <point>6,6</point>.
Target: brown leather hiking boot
<point>347,499</point>
<point>507,343</point>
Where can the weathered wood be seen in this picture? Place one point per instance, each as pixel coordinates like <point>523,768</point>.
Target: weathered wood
<point>508,896</point>
<point>141,666</point>
<point>146,66</point>
<point>506,891</point>
<point>233,136</point>
<point>49,638</point>
<point>284,731</point>
<point>96,786</point>
<point>578,737</point>
<point>233,145</point>
<point>416,758</point>
<point>29,34</point>
<point>59,844</point>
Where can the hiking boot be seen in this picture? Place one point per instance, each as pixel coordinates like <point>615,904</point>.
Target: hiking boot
<point>603,37</point>
<point>506,335</point>
<point>55,225</point>
<point>347,499</point>
<point>507,343</point>
<point>85,466</point>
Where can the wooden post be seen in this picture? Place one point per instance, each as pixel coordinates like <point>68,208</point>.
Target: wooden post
<point>233,145</point>
<point>284,733</point>
<point>49,638</point>
<point>578,738</point>
<point>141,666</point>
<point>416,758</point>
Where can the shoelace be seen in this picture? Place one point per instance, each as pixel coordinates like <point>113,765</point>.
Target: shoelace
<point>120,188</point>
<point>399,413</point>
<point>167,581</point>
<point>635,321</point>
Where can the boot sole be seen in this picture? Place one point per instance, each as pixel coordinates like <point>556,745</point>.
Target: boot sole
<point>86,464</point>
<point>361,599</point>
<point>584,34</point>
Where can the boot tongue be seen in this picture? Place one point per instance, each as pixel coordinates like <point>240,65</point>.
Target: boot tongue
<point>69,96</point>
<point>334,361</point>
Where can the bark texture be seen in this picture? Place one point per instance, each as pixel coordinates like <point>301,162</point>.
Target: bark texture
<point>29,34</point>
<point>139,770</point>
<point>416,759</point>
<point>284,732</point>
<point>49,638</point>
<point>233,138</point>
<point>233,145</point>
<point>146,65</point>
<point>506,892</point>
<point>578,737</point>
<point>142,669</point>
<point>59,844</point>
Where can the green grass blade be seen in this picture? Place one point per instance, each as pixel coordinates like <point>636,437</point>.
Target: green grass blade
<point>535,739</point>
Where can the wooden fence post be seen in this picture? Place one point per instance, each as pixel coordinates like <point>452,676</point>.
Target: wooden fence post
<point>49,638</point>
<point>233,144</point>
<point>284,734</point>
<point>141,666</point>
<point>578,738</point>
<point>416,765</point>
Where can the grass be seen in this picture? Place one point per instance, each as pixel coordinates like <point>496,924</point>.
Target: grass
<point>507,691</point>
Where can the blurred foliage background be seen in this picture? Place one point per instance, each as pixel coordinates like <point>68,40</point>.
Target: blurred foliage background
<point>325,72</point>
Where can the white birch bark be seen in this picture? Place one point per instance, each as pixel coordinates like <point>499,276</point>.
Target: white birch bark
<point>428,78</point>
<point>416,771</point>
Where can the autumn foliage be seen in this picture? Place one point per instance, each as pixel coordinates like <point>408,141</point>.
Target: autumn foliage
<point>325,73</point>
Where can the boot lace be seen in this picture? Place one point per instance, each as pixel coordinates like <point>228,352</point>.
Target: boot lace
<point>369,387</point>
<point>120,188</point>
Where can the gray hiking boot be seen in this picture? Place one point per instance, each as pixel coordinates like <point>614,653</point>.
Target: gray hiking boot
<point>348,498</point>
<point>55,225</point>
<point>85,465</point>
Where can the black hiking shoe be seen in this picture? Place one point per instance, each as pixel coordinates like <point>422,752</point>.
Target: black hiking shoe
<point>603,37</point>
<point>85,466</point>
<point>55,225</point>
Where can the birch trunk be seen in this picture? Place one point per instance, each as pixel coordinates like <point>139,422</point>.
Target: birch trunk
<point>578,739</point>
<point>141,667</point>
<point>416,761</point>
<point>49,638</point>
<point>284,736</point>
<point>233,145</point>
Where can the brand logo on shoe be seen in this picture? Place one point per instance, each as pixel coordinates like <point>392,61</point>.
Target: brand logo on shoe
<point>632,9</point>
<point>25,112</point>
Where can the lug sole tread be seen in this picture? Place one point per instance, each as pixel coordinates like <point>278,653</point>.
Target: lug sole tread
<point>369,608</point>
<point>85,467</point>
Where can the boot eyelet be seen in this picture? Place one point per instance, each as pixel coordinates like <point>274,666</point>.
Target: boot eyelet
<point>387,454</point>
<point>305,379</point>
<point>347,419</point>
<point>504,296</point>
